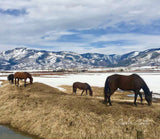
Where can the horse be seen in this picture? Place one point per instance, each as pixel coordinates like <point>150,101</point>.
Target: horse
<point>82,86</point>
<point>23,75</point>
<point>127,83</point>
<point>10,78</point>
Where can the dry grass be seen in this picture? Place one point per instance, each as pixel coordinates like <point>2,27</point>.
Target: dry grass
<point>48,113</point>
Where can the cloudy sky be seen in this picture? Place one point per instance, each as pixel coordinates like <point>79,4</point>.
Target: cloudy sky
<point>102,26</point>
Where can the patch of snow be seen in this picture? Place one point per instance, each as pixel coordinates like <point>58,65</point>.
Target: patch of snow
<point>95,79</point>
<point>135,54</point>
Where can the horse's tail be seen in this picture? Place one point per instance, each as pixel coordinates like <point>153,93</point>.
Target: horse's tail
<point>106,89</point>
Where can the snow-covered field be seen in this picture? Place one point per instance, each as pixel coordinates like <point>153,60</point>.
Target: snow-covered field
<point>94,79</point>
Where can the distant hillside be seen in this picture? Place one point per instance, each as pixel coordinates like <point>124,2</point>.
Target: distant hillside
<point>30,59</point>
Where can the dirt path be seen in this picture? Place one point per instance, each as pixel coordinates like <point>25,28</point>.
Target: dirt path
<point>48,113</point>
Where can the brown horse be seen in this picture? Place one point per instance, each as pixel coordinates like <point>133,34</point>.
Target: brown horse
<point>82,86</point>
<point>23,75</point>
<point>128,83</point>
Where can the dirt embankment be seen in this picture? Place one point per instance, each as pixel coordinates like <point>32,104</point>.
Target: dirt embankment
<point>48,113</point>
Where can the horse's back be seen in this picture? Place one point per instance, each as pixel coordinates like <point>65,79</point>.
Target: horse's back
<point>79,85</point>
<point>119,77</point>
<point>126,82</point>
<point>22,75</point>
<point>17,74</point>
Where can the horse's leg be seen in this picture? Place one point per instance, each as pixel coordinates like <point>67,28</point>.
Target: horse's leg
<point>82,93</point>
<point>135,98</point>
<point>106,94</point>
<point>141,97</point>
<point>109,95</point>
<point>109,100</point>
<point>15,81</point>
<point>18,82</point>
<point>24,82</point>
<point>105,97</point>
<point>86,92</point>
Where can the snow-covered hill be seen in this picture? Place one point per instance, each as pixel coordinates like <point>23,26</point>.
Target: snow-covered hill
<point>24,58</point>
<point>150,57</point>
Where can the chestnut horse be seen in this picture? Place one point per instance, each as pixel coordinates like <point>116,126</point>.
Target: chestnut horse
<point>82,86</point>
<point>128,83</point>
<point>23,75</point>
<point>10,78</point>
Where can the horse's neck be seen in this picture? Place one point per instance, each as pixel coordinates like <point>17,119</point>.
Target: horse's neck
<point>145,88</point>
<point>89,88</point>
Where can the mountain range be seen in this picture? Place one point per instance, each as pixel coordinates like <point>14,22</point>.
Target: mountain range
<point>31,59</point>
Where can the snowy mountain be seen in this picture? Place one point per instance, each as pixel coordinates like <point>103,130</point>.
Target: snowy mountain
<point>150,57</point>
<point>24,58</point>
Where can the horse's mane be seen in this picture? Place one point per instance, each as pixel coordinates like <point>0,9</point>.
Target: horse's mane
<point>144,85</point>
<point>88,86</point>
<point>27,73</point>
<point>146,89</point>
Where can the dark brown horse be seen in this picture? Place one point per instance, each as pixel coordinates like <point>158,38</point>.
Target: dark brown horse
<point>128,83</point>
<point>10,78</point>
<point>82,86</point>
<point>23,75</point>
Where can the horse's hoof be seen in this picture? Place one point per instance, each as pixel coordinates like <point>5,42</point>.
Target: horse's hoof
<point>135,104</point>
<point>105,101</point>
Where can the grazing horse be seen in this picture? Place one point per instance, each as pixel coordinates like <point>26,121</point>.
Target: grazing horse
<point>23,75</point>
<point>128,83</point>
<point>82,86</point>
<point>10,78</point>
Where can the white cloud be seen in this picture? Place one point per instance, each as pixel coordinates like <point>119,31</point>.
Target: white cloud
<point>51,19</point>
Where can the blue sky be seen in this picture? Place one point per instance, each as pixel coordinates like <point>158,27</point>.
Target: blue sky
<point>103,26</point>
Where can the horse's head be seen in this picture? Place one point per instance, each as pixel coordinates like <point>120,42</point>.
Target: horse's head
<point>149,98</point>
<point>90,92</point>
<point>89,88</point>
<point>31,80</point>
<point>74,90</point>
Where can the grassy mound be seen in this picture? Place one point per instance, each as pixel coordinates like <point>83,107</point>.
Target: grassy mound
<point>49,113</point>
